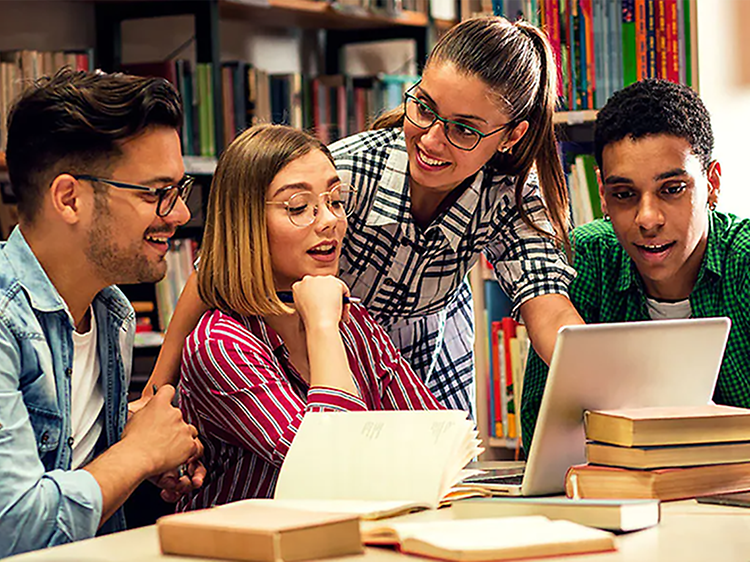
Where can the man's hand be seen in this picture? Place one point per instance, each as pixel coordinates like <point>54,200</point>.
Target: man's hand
<point>157,435</point>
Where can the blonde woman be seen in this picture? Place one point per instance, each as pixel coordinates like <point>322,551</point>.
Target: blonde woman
<point>254,365</point>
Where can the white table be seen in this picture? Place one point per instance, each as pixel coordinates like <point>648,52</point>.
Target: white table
<point>689,531</point>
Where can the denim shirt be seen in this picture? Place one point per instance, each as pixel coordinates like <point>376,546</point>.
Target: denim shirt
<point>42,501</point>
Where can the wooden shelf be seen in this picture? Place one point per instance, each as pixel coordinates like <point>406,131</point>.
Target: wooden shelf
<point>314,14</point>
<point>311,14</point>
<point>443,25</point>
<point>575,117</point>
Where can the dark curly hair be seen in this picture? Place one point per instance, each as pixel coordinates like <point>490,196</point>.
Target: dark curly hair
<point>655,107</point>
<point>75,122</point>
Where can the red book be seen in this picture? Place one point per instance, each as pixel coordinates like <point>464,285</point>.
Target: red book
<point>641,46</point>
<point>672,41</point>
<point>551,16</point>
<point>509,331</point>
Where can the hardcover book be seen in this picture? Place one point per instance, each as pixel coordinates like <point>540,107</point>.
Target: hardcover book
<point>259,533</point>
<point>638,427</point>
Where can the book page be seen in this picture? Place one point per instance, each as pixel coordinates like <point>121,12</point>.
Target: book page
<point>383,455</point>
<point>368,510</point>
<point>493,534</point>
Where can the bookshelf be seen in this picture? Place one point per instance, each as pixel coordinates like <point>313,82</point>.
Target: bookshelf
<point>575,128</point>
<point>108,36</point>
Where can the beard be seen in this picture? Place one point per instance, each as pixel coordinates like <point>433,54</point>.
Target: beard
<point>115,263</point>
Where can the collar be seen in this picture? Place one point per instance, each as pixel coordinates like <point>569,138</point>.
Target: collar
<point>710,264</point>
<point>31,276</point>
<point>392,199</point>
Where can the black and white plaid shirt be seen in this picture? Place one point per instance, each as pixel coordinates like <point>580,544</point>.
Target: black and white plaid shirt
<point>414,281</point>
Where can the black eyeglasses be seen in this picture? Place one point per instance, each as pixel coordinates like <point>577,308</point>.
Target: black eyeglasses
<point>460,135</point>
<point>167,196</point>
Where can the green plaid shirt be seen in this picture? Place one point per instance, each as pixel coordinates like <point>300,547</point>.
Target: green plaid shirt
<point>608,288</point>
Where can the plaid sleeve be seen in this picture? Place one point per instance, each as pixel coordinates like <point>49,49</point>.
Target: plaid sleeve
<point>527,263</point>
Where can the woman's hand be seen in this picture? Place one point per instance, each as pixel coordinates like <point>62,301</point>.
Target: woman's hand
<point>320,301</point>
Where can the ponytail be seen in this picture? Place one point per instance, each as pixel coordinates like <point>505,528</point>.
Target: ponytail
<point>541,143</point>
<point>391,119</point>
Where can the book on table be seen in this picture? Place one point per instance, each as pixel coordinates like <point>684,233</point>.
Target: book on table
<point>479,540</point>
<point>610,515</point>
<point>737,499</point>
<point>668,455</point>
<point>417,458</point>
<point>259,533</point>
<point>642,427</point>
<point>593,481</point>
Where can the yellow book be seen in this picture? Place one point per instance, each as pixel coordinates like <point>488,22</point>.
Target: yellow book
<point>593,481</point>
<point>638,427</point>
<point>245,531</point>
<point>668,456</point>
<point>480,540</point>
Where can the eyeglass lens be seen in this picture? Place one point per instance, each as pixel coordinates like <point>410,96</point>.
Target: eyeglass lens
<point>424,117</point>
<point>168,197</point>
<point>302,207</point>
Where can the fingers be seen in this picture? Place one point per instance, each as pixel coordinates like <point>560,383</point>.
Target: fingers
<point>165,393</point>
<point>198,474</point>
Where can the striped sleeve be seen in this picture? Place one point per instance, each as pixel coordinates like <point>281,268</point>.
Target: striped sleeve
<point>245,397</point>
<point>398,385</point>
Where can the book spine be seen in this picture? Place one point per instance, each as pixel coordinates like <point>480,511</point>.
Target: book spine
<point>641,43</point>
<point>629,44</point>
<point>672,41</point>
<point>651,49</point>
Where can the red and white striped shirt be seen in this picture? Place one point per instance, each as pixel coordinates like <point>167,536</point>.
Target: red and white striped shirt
<point>239,389</point>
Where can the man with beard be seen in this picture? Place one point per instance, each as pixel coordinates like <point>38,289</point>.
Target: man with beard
<point>95,162</point>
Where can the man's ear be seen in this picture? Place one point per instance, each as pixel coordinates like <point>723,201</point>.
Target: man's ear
<point>65,196</point>
<point>600,183</point>
<point>714,183</point>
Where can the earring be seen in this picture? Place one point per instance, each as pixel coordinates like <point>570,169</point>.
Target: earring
<point>606,217</point>
<point>712,205</point>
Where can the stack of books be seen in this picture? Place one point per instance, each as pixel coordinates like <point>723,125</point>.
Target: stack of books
<point>663,453</point>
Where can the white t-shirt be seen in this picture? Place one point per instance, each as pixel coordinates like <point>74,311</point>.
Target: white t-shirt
<point>659,310</point>
<point>87,400</point>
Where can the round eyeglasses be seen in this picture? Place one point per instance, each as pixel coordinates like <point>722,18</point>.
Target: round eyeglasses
<point>166,196</point>
<point>302,207</point>
<point>460,135</point>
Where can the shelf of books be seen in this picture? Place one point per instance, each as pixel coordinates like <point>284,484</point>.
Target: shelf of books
<point>601,46</point>
<point>501,350</point>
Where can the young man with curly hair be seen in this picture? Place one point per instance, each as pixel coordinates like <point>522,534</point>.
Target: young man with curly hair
<point>662,251</point>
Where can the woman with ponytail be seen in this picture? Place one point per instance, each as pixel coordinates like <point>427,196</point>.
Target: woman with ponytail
<point>468,165</point>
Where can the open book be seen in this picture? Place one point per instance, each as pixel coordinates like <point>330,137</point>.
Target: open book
<point>416,458</point>
<point>478,540</point>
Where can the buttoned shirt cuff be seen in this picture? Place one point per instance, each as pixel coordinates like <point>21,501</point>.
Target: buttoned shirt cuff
<point>326,399</point>
<point>80,504</point>
<point>554,285</point>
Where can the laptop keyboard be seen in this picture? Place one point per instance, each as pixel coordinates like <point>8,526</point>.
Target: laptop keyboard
<point>507,480</point>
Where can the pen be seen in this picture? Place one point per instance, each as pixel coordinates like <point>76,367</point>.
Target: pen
<point>287,297</point>
<point>182,469</point>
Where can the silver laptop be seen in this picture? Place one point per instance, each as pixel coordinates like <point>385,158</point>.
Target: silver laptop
<point>619,365</point>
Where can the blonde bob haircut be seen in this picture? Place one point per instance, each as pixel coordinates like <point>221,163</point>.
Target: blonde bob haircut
<point>235,272</point>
